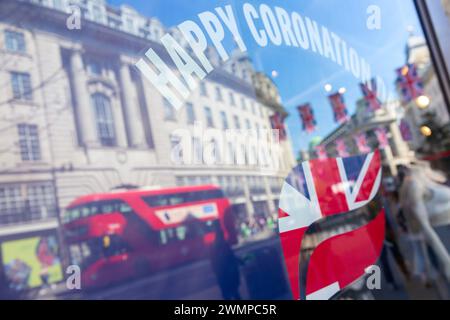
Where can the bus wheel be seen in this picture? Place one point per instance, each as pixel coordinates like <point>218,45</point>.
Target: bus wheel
<point>142,268</point>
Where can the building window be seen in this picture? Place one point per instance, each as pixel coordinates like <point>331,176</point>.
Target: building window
<point>237,123</point>
<point>253,107</point>
<point>21,85</point>
<point>176,148</point>
<point>224,119</point>
<point>11,204</point>
<point>205,180</point>
<point>198,150</point>
<point>58,4</point>
<point>192,181</point>
<point>129,24</point>
<point>220,182</point>
<point>156,32</point>
<point>244,105</point>
<point>233,68</point>
<point>218,94</point>
<point>244,74</point>
<point>104,120</point>
<point>248,124</point>
<point>203,90</point>
<point>180,181</point>
<point>29,142</point>
<point>231,152</point>
<point>94,68</point>
<point>238,184</point>
<point>169,110</point>
<point>217,156</point>
<point>15,41</point>
<point>41,201</point>
<point>190,113</point>
<point>232,101</point>
<point>174,140</point>
<point>97,14</point>
<point>209,117</point>
<point>23,203</point>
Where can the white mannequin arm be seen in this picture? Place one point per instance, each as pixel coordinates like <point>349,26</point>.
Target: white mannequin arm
<point>421,214</point>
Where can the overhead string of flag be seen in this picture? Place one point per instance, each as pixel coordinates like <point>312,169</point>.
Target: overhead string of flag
<point>409,83</point>
<point>277,123</point>
<point>307,118</point>
<point>410,87</point>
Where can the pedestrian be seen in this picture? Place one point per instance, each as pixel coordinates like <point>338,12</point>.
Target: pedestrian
<point>226,266</point>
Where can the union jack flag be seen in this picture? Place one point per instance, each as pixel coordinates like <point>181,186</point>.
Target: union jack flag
<point>339,107</point>
<point>314,190</point>
<point>409,82</point>
<point>382,137</point>
<point>361,142</point>
<point>341,148</point>
<point>370,95</point>
<point>307,117</point>
<point>277,123</point>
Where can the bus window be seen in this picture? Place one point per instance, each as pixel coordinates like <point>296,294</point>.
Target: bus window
<point>191,230</point>
<point>75,254</point>
<point>185,197</point>
<point>114,245</point>
<point>97,207</point>
<point>106,207</point>
<point>85,250</point>
<point>181,232</point>
<point>93,209</point>
<point>76,213</point>
<point>210,226</point>
<point>84,253</point>
<point>176,199</point>
<point>204,195</point>
<point>124,208</point>
<point>156,201</point>
<point>170,234</point>
<point>163,237</point>
<point>73,214</point>
<point>85,211</point>
<point>173,235</point>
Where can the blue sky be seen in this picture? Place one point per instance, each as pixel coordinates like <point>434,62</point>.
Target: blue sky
<point>302,74</point>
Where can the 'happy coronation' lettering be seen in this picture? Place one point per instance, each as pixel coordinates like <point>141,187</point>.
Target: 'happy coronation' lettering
<point>267,25</point>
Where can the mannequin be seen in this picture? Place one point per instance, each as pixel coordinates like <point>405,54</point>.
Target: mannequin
<point>426,204</point>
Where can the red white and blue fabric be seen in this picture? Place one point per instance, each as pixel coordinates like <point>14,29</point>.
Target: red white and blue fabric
<point>370,95</point>
<point>382,137</point>
<point>314,190</point>
<point>409,82</point>
<point>361,143</point>
<point>339,107</point>
<point>277,123</point>
<point>341,148</point>
<point>405,130</point>
<point>307,117</point>
<point>321,152</point>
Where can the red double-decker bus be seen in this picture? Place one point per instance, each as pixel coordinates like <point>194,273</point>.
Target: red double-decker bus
<point>119,235</point>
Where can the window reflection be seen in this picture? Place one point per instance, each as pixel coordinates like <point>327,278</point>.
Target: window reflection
<point>92,146</point>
